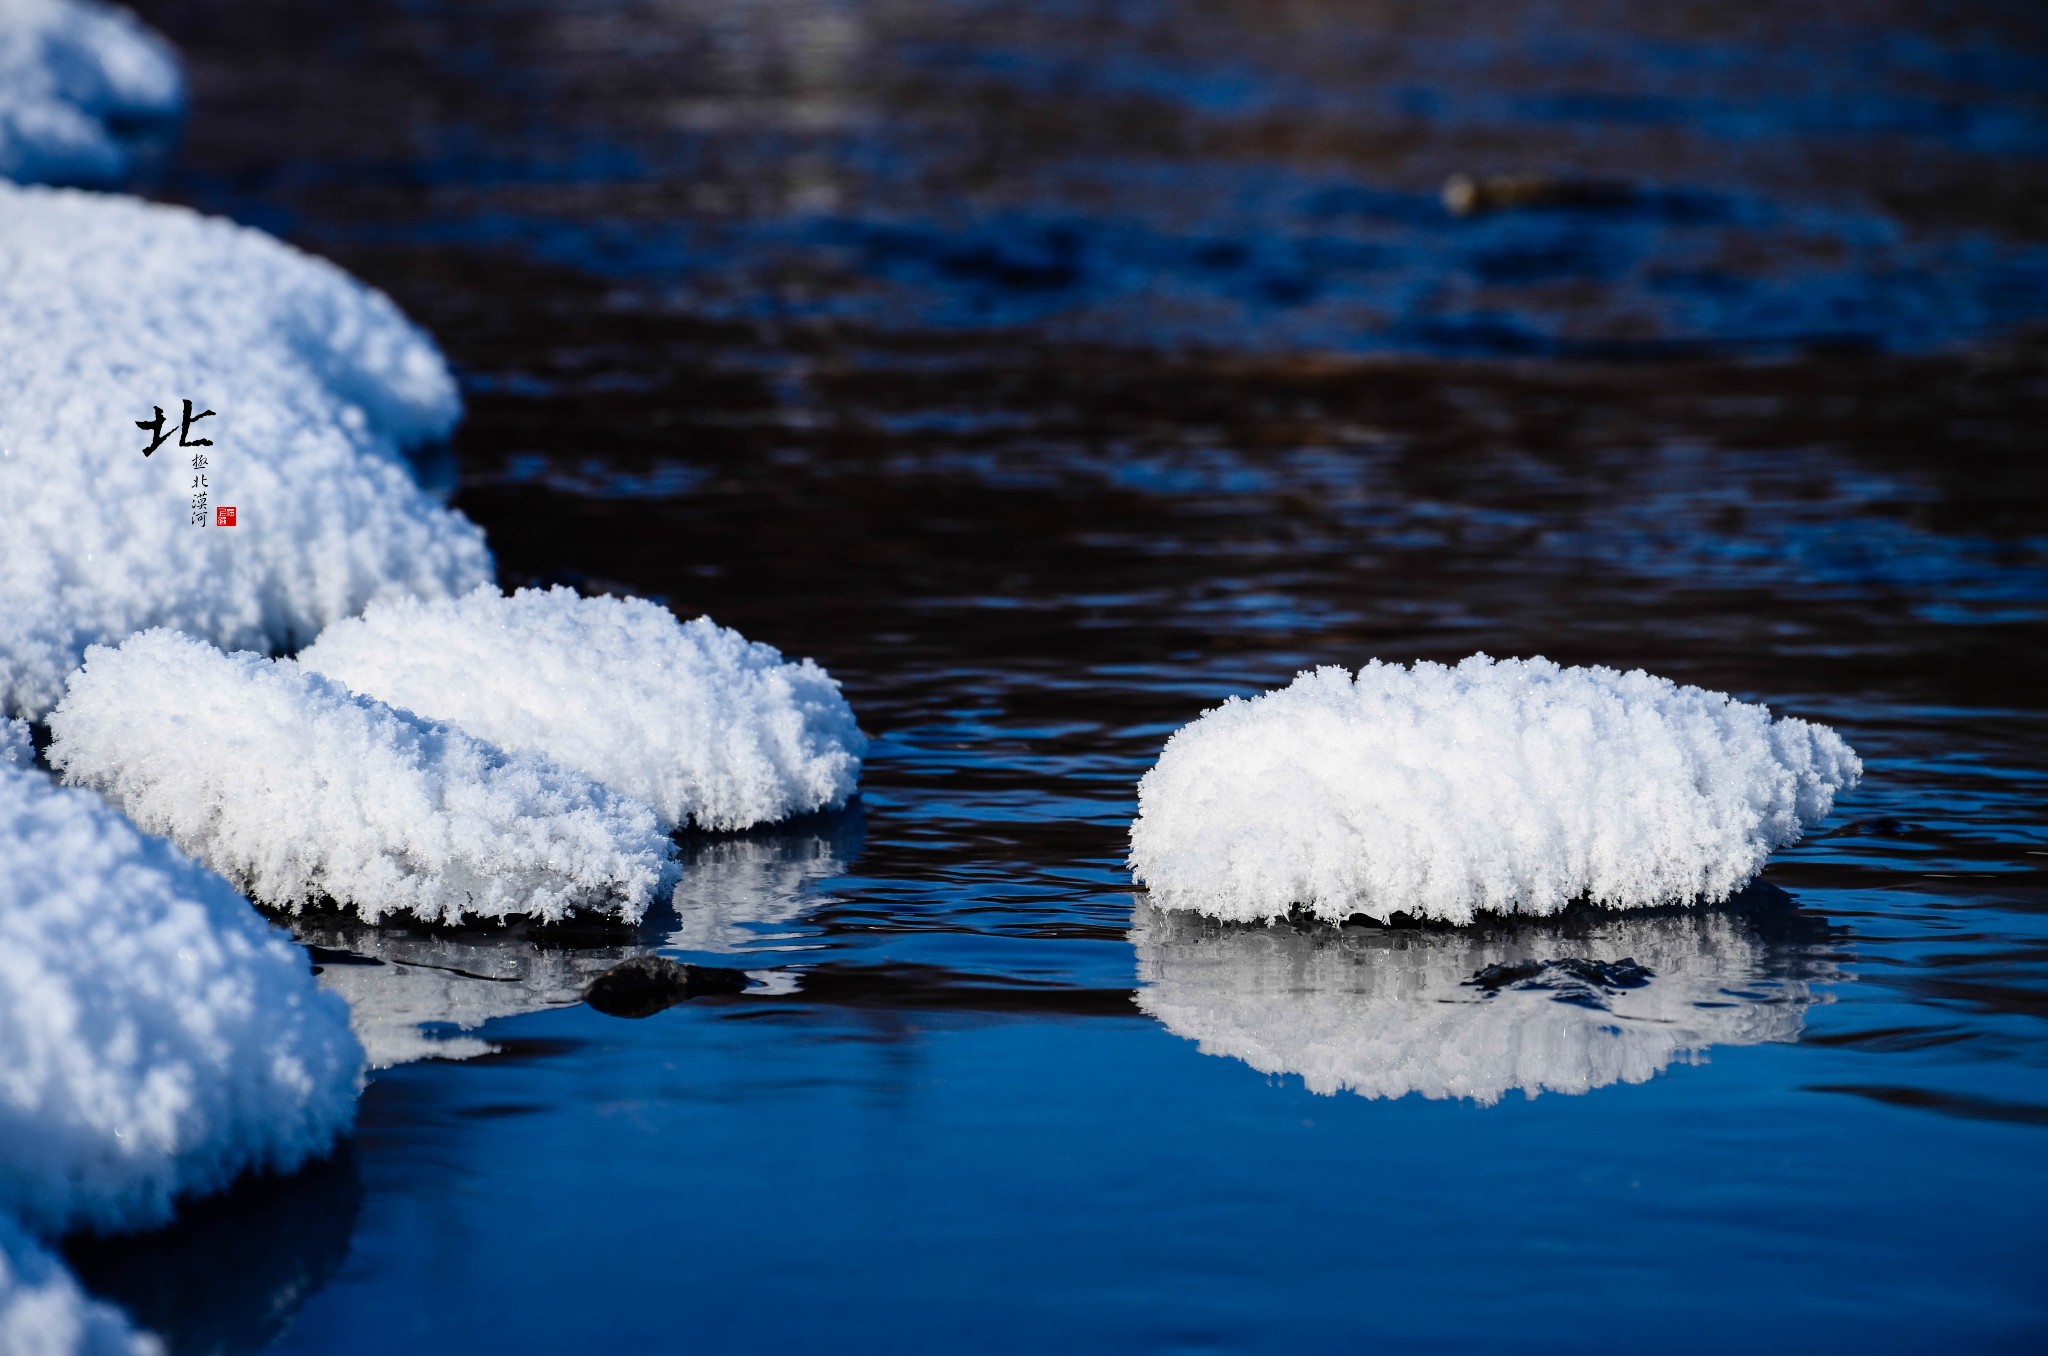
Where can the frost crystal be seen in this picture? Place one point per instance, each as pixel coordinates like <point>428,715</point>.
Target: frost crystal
<point>157,1037</point>
<point>1509,787</point>
<point>296,789</point>
<point>706,726</point>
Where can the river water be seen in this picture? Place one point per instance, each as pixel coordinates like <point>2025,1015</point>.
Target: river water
<point>1050,371</point>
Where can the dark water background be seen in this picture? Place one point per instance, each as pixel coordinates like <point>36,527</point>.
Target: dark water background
<point>1050,371</point>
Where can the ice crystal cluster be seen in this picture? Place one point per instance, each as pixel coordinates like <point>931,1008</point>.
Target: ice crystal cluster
<point>1508,787</point>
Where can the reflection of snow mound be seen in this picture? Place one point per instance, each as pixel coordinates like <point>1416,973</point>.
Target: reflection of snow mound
<point>68,68</point>
<point>402,981</point>
<point>1510,787</point>
<point>44,1313</point>
<point>742,894</point>
<point>295,788</point>
<point>1384,1012</point>
<point>110,308</point>
<point>156,1036</point>
<point>704,725</point>
<point>399,981</point>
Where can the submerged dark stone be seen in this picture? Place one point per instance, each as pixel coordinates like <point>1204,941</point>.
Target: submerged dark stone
<point>644,985</point>
<point>1584,983</point>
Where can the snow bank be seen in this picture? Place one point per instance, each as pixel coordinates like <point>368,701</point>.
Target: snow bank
<point>156,1036</point>
<point>705,726</point>
<point>111,308</point>
<point>1530,1006</point>
<point>296,789</point>
<point>1511,787</point>
<point>69,69</point>
<point>43,1312</point>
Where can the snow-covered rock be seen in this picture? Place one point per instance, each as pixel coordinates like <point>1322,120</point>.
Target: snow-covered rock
<point>296,789</point>
<point>112,309</point>
<point>1509,787</point>
<point>70,70</point>
<point>157,1037</point>
<point>707,727</point>
<point>44,1313</point>
<point>1521,1004</point>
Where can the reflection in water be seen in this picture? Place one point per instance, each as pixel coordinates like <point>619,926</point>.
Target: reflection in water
<point>230,1273</point>
<point>1565,1004</point>
<point>406,984</point>
<point>742,893</point>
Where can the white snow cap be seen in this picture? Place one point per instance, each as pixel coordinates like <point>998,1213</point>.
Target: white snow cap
<point>111,309</point>
<point>44,1313</point>
<point>67,68</point>
<point>157,1037</point>
<point>702,724</point>
<point>294,788</point>
<point>1459,1014</point>
<point>16,748</point>
<point>1513,787</point>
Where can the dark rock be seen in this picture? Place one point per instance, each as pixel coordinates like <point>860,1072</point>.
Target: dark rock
<point>1583,983</point>
<point>644,985</point>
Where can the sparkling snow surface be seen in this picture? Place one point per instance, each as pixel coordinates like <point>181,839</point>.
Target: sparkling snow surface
<point>157,1037</point>
<point>43,1312</point>
<point>295,789</point>
<point>1388,1013</point>
<point>709,728</point>
<point>112,308</point>
<point>1512,787</point>
<point>66,69</point>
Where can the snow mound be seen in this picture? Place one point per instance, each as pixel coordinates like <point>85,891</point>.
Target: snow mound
<point>296,789</point>
<point>69,70</point>
<point>16,748</point>
<point>702,724</point>
<point>44,1313</point>
<point>1509,787</point>
<point>157,1037</point>
<point>1529,1006</point>
<point>111,309</point>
